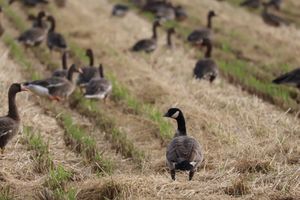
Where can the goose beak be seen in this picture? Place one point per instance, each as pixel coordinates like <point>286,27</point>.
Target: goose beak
<point>80,71</point>
<point>24,88</point>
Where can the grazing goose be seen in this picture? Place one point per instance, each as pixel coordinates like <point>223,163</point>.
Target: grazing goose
<point>272,19</point>
<point>120,10</point>
<point>64,71</point>
<point>98,88</point>
<point>198,35</point>
<point>170,32</point>
<point>55,88</point>
<point>180,13</point>
<point>275,3</point>
<point>1,26</point>
<point>36,20</point>
<point>55,41</point>
<point>30,2</point>
<point>33,36</point>
<point>148,45</point>
<point>290,78</point>
<point>206,68</point>
<point>9,124</point>
<point>88,72</point>
<point>183,152</point>
<point>251,3</point>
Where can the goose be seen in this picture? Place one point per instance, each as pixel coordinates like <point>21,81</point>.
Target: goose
<point>31,3</point>
<point>198,35</point>
<point>206,68</point>
<point>148,45</point>
<point>180,13</point>
<point>36,20</point>
<point>9,124</point>
<point>275,3</point>
<point>170,32</point>
<point>98,88</point>
<point>153,6</point>
<point>55,41</point>
<point>88,72</point>
<point>55,88</point>
<point>251,3</point>
<point>166,12</point>
<point>183,152</point>
<point>64,71</point>
<point>60,3</point>
<point>271,19</point>
<point>1,26</point>
<point>120,10</point>
<point>33,36</point>
<point>290,78</point>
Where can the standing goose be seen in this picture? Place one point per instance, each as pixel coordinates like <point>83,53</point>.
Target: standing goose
<point>31,3</point>
<point>272,19</point>
<point>9,124</point>
<point>55,88</point>
<point>148,45</point>
<point>170,32</point>
<point>166,12</point>
<point>206,68</point>
<point>55,41</point>
<point>88,72</point>
<point>183,152</point>
<point>251,3</point>
<point>35,35</point>
<point>98,88</point>
<point>119,10</point>
<point>64,71</point>
<point>180,13</point>
<point>290,78</point>
<point>198,35</point>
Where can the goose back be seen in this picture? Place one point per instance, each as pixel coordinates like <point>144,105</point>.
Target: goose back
<point>290,78</point>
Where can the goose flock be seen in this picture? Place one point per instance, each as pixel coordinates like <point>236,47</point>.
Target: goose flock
<point>183,152</point>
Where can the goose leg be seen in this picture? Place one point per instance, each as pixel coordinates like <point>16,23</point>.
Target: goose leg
<point>191,174</point>
<point>173,174</point>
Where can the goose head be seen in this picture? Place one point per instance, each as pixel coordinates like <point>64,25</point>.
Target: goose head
<point>173,113</point>
<point>211,14</point>
<point>17,87</point>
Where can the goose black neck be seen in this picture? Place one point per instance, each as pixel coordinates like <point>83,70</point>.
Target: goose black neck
<point>169,39</point>
<point>208,50</point>
<point>64,61</point>
<point>154,29</point>
<point>71,73</point>
<point>101,71</point>
<point>91,57</point>
<point>12,107</point>
<point>209,21</point>
<point>52,22</point>
<point>181,124</point>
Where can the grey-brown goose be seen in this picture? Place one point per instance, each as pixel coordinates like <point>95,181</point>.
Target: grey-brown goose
<point>251,3</point>
<point>170,32</point>
<point>206,68</point>
<point>89,71</point>
<point>183,152</point>
<point>1,26</point>
<point>55,88</point>
<point>64,71</point>
<point>272,19</point>
<point>290,78</point>
<point>9,124</point>
<point>30,3</point>
<point>166,12</point>
<point>198,35</point>
<point>147,45</point>
<point>55,41</point>
<point>36,20</point>
<point>33,36</point>
<point>98,88</point>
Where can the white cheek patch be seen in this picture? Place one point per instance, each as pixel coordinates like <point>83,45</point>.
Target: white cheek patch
<point>175,115</point>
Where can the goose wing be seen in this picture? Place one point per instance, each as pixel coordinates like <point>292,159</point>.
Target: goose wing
<point>199,34</point>
<point>7,126</point>
<point>32,36</point>
<point>87,74</point>
<point>184,148</point>
<point>144,45</point>
<point>56,40</point>
<point>292,77</point>
<point>98,88</point>
<point>207,69</point>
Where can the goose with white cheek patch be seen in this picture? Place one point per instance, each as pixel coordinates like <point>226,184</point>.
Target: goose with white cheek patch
<point>184,152</point>
<point>55,88</point>
<point>98,88</point>
<point>9,124</point>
